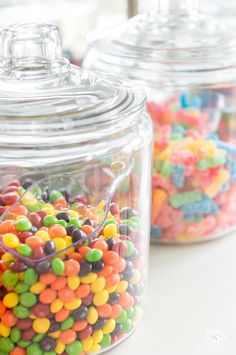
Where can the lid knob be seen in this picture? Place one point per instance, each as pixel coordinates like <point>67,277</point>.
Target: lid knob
<point>176,7</point>
<point>32,47</point>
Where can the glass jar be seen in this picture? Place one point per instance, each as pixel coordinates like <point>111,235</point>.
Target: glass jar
<point>74,204</point>
<point>186,61</point>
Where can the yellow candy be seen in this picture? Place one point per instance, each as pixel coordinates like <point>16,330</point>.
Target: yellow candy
<point>43,235</point>
<point>68,240</point>
<point>55,335</point>
<point>11,300</point>
<point>41,325</point>
<point>73,214</point>
<point>74,304</point>
<point>47,210</point>
<point>89,279</point>
<point>97,336</point>
<point>109,326</point>
<point>100,298</point>
<point>94,348</point>
<point>37,288</point>
<point>18,218</point>
<point>213,189</point>
<point>92,315</point>
<point>32,316</point>
<point>11,240</point>
<point>110,230</point>
<point>111,289</point>
<point>4,330</point>
<point>87,343</point>
<point>98,284</point>
<point>158,198</point>
<point>7,257</point>
<point>73,282</point>
<point>56,306</point>
<point>165,154</point>
<point>60,243</point>
<point>122,286</point>
<point>136,277</point>
<point>60,347</point>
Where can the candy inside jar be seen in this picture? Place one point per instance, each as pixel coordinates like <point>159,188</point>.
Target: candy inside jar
<point>186,61</point>
<point>194,186</point>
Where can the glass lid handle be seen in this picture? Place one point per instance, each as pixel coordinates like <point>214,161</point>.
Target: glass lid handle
<point>31,48</point>
<point>176,7</point>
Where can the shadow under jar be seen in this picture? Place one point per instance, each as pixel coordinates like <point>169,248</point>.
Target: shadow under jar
<point>186,61</point>
<point>75,163</point>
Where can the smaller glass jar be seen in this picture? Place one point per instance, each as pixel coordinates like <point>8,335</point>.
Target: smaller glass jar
<point>75,177</point>
<point>186,61</point>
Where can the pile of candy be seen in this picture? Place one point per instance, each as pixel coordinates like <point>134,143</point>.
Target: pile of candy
<point>61,290</point>
<point>194,176</point>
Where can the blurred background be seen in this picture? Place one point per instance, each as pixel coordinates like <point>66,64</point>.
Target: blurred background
<point>77,17</point>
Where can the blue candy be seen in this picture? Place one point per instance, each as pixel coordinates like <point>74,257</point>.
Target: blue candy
<point>205,206</point>
<point>191,101</point>
<point>178,176</point>
<point>156,231</point>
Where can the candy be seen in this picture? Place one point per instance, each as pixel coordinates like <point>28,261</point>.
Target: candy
<point>193,170</point>
<point>77,300</point>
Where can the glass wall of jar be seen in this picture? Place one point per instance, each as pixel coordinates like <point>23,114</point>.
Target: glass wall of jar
<point>75,162</point>
<point>186,61</point>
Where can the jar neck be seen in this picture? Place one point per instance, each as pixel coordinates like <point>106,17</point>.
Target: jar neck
<point>178,7</point>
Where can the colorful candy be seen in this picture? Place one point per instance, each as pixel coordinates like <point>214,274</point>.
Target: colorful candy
<point>194,173</point>
<point>65,292</point>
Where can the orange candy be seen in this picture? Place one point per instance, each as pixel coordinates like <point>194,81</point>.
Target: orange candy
<point>124,299</point>
<point>82,291</point>
<point>87,229</point>
<point>7,227</point>
<point>112,280</point>
<point>34,242</point>
<point>59,283</point>
<point>68,336</point>
<point>2,308</point>
<point>101,244</point>
<point>106,271</point>
<point>62,315</point>
<point>19,210</point>
<point>116,311</point>
<point>80,325</point>
<point>110,258</point>
<point>57,231</point>
<point>18,351</point>
<point>47,296</point>
<point>75,256</point>
<point>60,203</point>
<point>84,250</point>
<point>9,319</point>
<point>104,311</point>
<point>72,267</point>
<point>48,278</point>
<point>66,294</point>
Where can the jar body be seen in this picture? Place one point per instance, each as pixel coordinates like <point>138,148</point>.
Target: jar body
<point>193,184</point>
<point>74,237</point>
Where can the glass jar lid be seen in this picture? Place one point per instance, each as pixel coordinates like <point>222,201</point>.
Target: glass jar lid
<point>37,83</point>
<point>175,44</point>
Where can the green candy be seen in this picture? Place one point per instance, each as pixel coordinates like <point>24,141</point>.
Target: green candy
<point>21,287</point>
<point>74,348</point>
<point>75,222</point>
<point>48,221</point>
<point>54,195</point>
<point>36,190</point>
<point>24,250</point>
<point>68,323</point>
<point>166,169</point>
<point>106,341</point>
<point>210,162</point>
<point>50,353</point>
<point>176,136</point>
<point>62,223</point>
<point>58,266</point>
<point>34,349</point>
<point>28,299</point>
<point>127,326</point>
<point>158,165</point>
<point>109,221</point>
<point>131,313</point>
<point>184,198</point>
<point>21,312</point>
<point>130,249</point>
<point>23,225</point>
<point>130,223</point>
<point>94,255</point>
<point>38,337</point>
<point>30,276</point>
<point>23,343</point>
<point>122,317</point>
<point>9,278</point>
<point>15,334</point>
<point>6,345</point>
<point>37,207</point>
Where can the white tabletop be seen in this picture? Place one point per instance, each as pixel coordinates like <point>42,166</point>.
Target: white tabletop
<point>192,302</point>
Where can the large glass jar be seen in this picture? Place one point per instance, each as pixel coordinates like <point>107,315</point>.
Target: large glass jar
<point>186,61</point>
<point>75,162</point>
